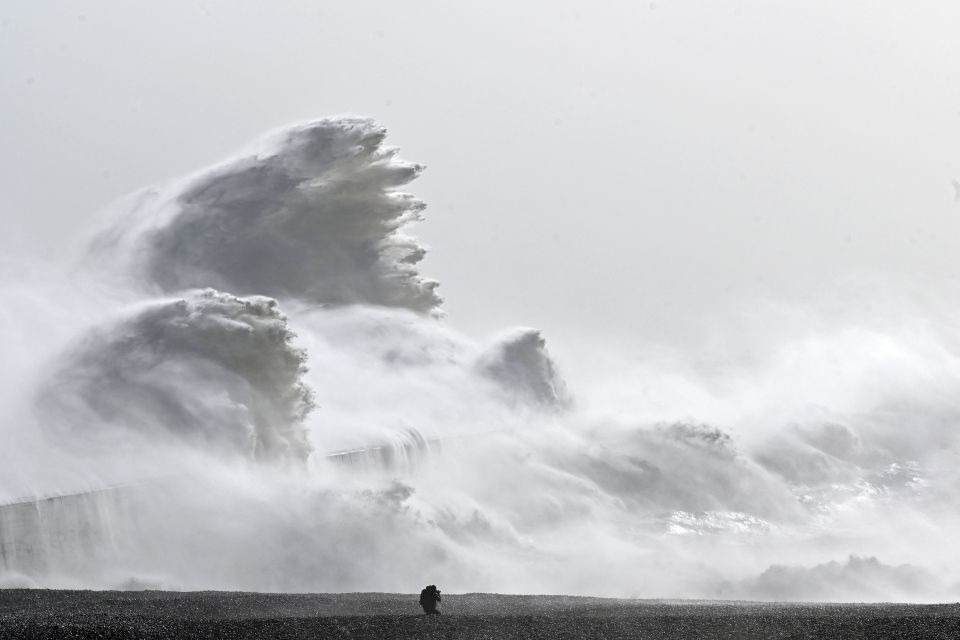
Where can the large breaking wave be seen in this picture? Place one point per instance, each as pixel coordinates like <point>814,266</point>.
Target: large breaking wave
<point>166,431</point>
<point>311,212</point>
<point>142,373</point>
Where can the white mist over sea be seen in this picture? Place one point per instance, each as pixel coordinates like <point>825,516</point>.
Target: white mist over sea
<point>246,383</point>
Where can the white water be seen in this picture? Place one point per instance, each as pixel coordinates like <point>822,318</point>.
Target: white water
<point>825,469</point>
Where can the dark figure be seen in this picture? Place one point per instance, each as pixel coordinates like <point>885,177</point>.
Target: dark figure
<point>429,599</point>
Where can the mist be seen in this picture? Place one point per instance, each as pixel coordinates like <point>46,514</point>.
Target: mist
<point>244,381</point>
<point>659,299</point>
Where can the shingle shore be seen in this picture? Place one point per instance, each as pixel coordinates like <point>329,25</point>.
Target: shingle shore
<point>39,613</point>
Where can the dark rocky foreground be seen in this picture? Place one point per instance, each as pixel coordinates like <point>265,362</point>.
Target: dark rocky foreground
<point>35,613</point>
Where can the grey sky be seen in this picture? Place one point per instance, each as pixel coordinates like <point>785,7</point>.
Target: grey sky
<point>622,167</point>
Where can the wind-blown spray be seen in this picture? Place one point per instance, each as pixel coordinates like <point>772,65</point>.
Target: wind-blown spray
<point>176,437</point>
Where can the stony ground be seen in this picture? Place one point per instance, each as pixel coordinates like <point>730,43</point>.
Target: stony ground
<point>36,613</point>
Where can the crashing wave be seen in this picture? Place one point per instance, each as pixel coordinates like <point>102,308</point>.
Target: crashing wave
<point>857,579</point>
<point>211,367</point>
<point>518,362</point>
<point>404,453</point>
<point>313,212</point>
<point>681,467</point>
<point>629,486</point>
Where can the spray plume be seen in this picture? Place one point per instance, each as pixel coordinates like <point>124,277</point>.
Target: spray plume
<point>312,211</point>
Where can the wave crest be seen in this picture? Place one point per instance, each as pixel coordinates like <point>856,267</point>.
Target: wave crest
<point>212,367</point>
<point>312,212</point>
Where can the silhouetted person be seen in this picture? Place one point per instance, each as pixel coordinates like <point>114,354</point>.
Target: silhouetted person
<point>429,599</point>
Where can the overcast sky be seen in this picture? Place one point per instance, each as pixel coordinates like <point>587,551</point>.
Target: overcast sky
<point>625,168</point>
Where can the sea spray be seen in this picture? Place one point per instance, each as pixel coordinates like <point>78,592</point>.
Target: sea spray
<point>211,368</point>
<point>176,368</point>
<point>312,211</point>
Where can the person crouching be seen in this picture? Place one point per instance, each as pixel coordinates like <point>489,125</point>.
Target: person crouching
<point>430,599</point>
